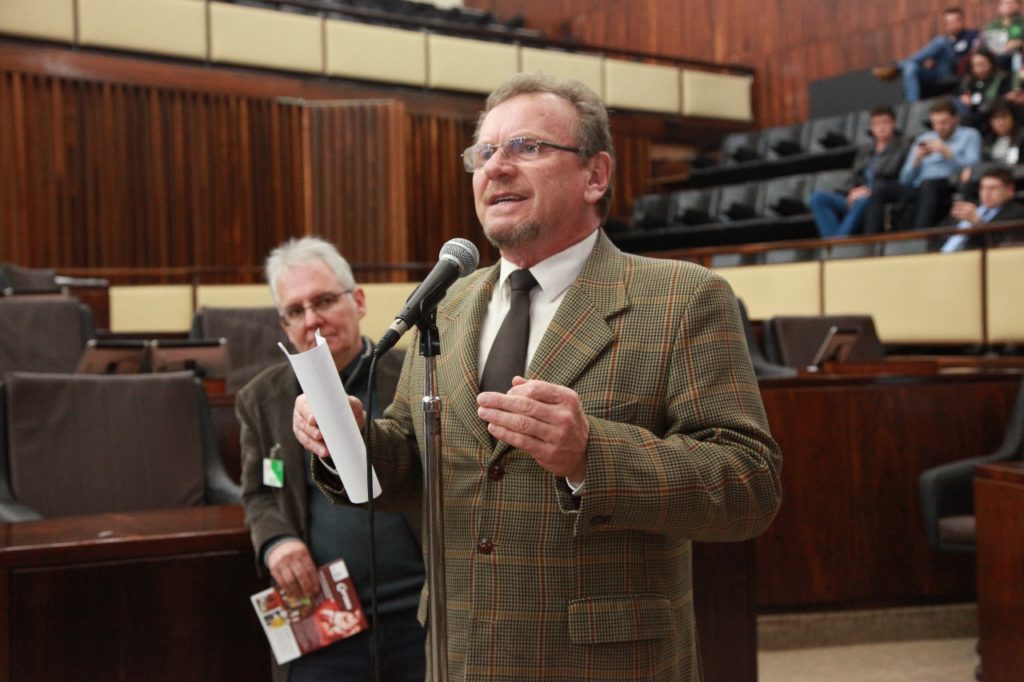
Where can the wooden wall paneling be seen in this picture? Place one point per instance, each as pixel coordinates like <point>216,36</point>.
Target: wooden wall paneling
<point>801,40</point>
<point>440,192</point>
<point>354,153</point>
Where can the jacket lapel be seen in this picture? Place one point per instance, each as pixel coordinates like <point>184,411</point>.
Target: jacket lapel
<point>457,376</point>
<point>580,330</point>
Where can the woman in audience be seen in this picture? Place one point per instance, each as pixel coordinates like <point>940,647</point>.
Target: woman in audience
<point>981,89</point>
<point>1001,146</point>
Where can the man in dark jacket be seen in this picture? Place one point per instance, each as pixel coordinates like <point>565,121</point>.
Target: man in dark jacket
<point>996,205</point>
<point>295,528</point>
<point>839,214</point>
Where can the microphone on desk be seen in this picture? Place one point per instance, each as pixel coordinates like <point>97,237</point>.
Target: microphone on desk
<point>458,258</point>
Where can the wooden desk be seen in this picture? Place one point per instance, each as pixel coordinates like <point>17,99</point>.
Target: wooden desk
<point>158,595</point>
<point>999,512</point>
<point>849,532</point>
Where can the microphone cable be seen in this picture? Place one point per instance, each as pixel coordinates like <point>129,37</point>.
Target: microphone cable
<point>371,380</point>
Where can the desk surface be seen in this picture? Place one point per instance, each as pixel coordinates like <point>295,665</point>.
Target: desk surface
<point>110,537</point>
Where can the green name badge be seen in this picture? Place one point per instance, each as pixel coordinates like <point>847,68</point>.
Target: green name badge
<point>273,472</point>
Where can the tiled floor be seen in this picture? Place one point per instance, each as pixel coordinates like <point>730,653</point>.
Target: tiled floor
<point>936,660</point>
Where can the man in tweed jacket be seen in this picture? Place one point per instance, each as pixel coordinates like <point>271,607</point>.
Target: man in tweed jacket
<point>571,500</point>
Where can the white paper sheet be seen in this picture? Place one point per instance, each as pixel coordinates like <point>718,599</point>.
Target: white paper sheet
<point>327,398</point>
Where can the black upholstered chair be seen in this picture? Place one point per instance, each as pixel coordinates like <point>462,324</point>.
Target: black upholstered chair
<point>763,367</point>
<point>793,340</point>
<point>650,211</point>
<point>693,206</point>
<point>252,335</point>
<point>946,492</point>
<point>75,444</point>
<point>43,333</point>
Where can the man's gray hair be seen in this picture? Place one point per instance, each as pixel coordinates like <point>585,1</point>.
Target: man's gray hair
<point>592,130</point>
<point>303,251</point>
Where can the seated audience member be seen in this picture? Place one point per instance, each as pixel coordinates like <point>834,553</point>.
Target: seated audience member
<point>940,63</point>
<point>1000,146</point>
<point>996,204</point>
<point>294,527</point>
<point>1004,35</point>
<point>981,89</point>
<point>933,163</point>
<point>839,215</point>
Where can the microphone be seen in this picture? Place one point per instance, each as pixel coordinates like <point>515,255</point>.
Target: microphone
<point>458,258</point>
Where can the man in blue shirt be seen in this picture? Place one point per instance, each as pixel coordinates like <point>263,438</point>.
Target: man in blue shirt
<point>942,61</point>
<point>935,159</point>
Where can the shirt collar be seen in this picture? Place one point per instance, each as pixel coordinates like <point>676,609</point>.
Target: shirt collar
<point>555,273</point>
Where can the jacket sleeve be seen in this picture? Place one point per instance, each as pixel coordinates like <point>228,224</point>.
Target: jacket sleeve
<point>262,514</point>
<point>714,473</point>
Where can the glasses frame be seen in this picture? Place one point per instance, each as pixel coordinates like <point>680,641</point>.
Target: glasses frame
<point>321,304</point>
<point>469,154</point>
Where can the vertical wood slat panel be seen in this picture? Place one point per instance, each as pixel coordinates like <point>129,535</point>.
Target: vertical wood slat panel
<point>107,175</point>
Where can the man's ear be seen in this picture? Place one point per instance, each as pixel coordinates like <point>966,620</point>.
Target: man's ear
<point>359,296</point>
<point>600,166</point>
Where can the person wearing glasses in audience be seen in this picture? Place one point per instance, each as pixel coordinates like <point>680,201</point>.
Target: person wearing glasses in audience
<point>600,414</point>
<point>294,528</point>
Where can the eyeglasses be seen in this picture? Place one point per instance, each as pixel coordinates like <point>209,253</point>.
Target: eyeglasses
<point>517,149</point>
<point>321,305</point>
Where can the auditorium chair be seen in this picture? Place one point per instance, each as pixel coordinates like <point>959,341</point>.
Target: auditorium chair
<point>784,141</point>
<point>793,340</point>
<point>912,117</point>
<point>763,367</point>
<point>742,148</point>
<point>43,333</point>
<point>693,206</point>
<point>252,336</point>
<point>89,444</point>
<point>946,492</point>
<point>207,359</point>
<point>828,133</point>
<point>837,180</point>
<point>15,279</point>
<point>650,210</point>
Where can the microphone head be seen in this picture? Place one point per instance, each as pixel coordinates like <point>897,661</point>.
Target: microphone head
<point>463,253</point>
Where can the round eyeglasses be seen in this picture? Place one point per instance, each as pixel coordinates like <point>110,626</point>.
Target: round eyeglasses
<point>515,149</point>
<point>294,315</point>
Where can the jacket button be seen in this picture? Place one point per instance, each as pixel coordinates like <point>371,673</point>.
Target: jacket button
<point>596,521</point>
<point>484,546</point>
<point>495,472</point>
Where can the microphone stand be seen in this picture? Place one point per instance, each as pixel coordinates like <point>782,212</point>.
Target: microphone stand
<point>437,618</point>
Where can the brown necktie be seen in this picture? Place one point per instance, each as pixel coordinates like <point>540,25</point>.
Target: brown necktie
<point>508,352</point>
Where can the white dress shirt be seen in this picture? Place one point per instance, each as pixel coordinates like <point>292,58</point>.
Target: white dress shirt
<point>553,275</point>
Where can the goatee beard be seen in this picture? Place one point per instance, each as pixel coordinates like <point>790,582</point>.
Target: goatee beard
<point>517,235</point>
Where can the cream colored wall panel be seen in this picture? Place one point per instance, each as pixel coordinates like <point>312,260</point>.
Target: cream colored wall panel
<point>930,298</point>
<point>151,308</point>
<point>587,69</point>
<point>470,65</point>
<point>644,87</point>
<point>50,19</point>
<point>265,37</point>
<point>770,290</point>
<point>376,53</point>
<point>383,301</point>
<point>1006,295</point>
<point>172,27</point>
<point>233,296</point>
<point>717,95</point>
